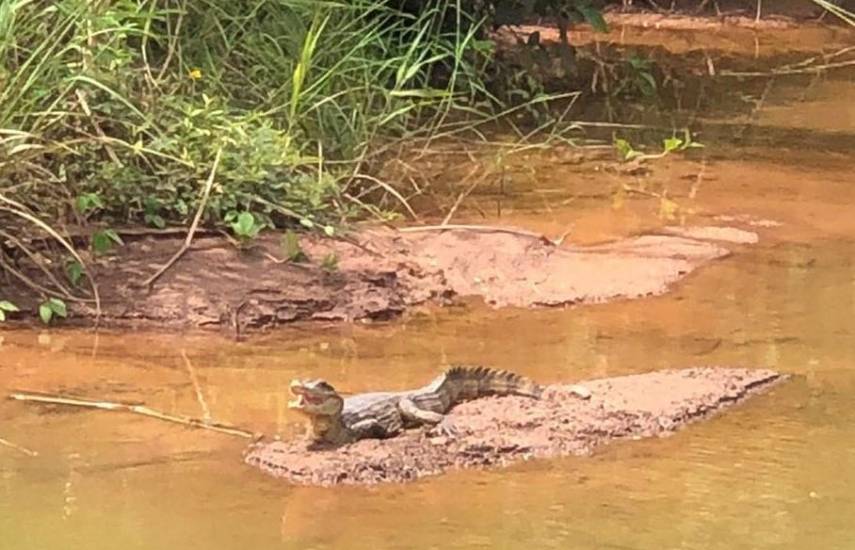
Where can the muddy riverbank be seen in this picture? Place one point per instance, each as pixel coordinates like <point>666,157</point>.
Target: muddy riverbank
<point>380,273</point>
<point>498,431</point>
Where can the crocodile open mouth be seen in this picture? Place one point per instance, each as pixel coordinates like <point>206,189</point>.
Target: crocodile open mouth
<point>304,397</point>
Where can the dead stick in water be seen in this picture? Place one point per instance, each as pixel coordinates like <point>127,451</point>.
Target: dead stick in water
<point>26,451</point>
<point>486,229</point>
<point>131,408</point>
<point>200,397</point>
<point>190,232</point>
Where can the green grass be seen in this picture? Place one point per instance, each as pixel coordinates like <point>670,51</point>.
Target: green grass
<point>127,101</point>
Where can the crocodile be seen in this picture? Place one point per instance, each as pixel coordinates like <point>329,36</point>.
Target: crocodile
<point>335,420</point>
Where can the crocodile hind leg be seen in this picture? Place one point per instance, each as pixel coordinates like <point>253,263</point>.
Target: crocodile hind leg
<point>412,414</point>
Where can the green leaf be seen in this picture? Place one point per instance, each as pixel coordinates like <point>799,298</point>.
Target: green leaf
<point>307,223</point>
<point>74,271</point>
<point>623,147</point>
<point>330,262</point>
<point>156,220</point>
<point>593,16</point>
<point>57,306</point>
<point>625,150</point>
<point>103,240</point>
<point>245,223</point>
<point>245,226</point>
<point>46,313</point>
<point>647,83</point>
<point>87,202</point>
<point>329,230</point>
<point>291,246</point>
<point>5,306</point>
<point>638,62</point>
<point>672,144</point>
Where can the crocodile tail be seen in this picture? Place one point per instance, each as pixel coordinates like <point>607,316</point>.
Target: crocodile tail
<point>462,383</point>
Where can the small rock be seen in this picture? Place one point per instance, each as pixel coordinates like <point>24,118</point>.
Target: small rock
<point>580,391</point>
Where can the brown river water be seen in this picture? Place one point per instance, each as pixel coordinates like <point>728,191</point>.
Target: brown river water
<point>777,472</point>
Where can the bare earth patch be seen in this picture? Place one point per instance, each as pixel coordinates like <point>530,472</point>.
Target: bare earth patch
<point>380,274</point>
<point>497,431</point>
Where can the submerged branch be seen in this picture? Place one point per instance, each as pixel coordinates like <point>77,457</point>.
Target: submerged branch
<point>487,229</point>
<point>131,408</point>
<point>24,450</point>
<point>200,397</point>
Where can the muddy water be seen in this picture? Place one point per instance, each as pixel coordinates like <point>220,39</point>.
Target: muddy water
<point>778,472</point>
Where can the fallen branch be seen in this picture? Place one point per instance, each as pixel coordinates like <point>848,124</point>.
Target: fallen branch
<point>487,229</point>
<point>24,450</point>
<point>189,239</point>
<point>131,408</point>
<point>66,293</point>
<point>391,190</point>
<point>801,70</point>
<point>461,196</point>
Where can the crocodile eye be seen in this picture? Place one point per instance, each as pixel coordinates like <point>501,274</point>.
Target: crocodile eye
<point>324,385</point>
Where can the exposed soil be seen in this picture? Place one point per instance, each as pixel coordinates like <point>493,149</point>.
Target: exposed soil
<point>217,284</point>
<point>497,431</point>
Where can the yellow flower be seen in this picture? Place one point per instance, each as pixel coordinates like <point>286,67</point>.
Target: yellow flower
<point>195,74</point>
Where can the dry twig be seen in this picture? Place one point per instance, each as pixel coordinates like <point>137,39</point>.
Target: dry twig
<point>131,408</point>
<point>389,189</point>
<point>462,196</point>
<point>187,241</point>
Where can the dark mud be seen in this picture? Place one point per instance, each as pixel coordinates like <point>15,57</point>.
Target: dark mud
<point>498,431</point>
<point>379,275</point>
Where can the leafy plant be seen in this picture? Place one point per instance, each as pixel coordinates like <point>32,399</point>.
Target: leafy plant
<point>74,271</point>
<point>50,308</point>
<point>124,103</point>
<point>244,225</point>
<point>151,215</point>
<point>330,262</point>
<point>291,247</point>
<point>7,307</point>
<point>627,152</point>
<point>87,203</point>
<point>640,79</point>
<point>625,149</point>
<point>103,241</point>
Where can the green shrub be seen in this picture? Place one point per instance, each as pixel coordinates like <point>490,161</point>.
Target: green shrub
<point>129,100</point>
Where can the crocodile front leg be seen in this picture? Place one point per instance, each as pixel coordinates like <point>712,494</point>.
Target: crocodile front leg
<point>371,428</point>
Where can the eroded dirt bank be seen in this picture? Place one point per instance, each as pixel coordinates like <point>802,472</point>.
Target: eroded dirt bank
<point>380,273</point>
<point>497,431</point>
